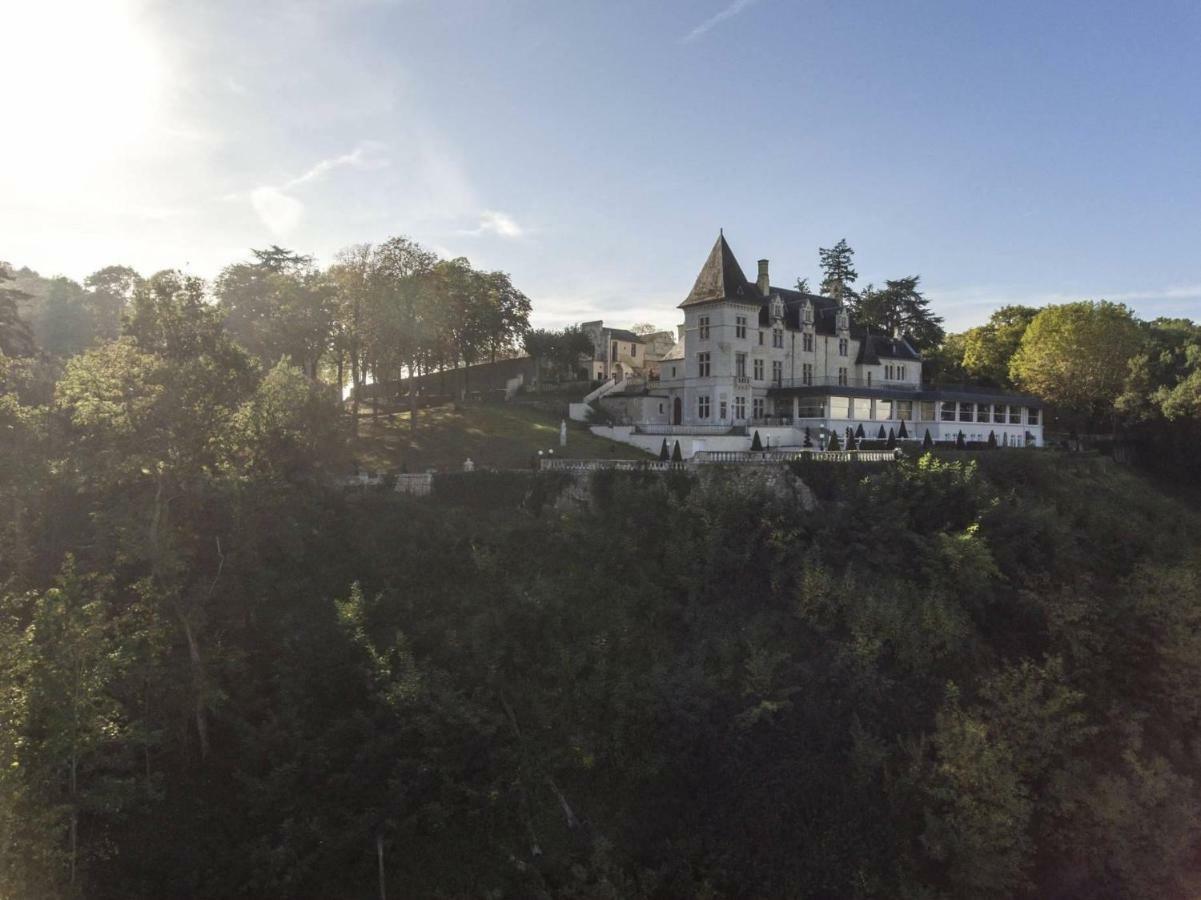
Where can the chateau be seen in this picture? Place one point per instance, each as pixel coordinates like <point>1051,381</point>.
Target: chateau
<point>794,367</point>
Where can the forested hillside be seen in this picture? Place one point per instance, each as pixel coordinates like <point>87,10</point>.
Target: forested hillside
<point>969,677</point>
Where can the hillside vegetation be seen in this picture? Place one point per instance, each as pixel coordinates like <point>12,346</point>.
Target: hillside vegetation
<point>498,436</point>
<point>954,678</point>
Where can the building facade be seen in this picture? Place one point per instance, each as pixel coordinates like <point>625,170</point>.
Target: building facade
<point>753,356</point>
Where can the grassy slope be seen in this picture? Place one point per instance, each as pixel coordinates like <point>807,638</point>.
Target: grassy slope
<point>503,436</point>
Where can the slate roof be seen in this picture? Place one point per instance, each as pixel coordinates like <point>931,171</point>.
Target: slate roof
<point>874,346</point>
<point>621,334</point>
<point>721,278</point>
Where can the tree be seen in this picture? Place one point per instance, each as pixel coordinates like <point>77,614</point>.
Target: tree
<point>899,308</point>
<point>1077,357</point>
<point>802,285</point>
<point>643,328</point>
<point>676,455</point>
<point>945,364</point>
<point>278,306</point>
<point>927,441</point>
<point>881,434</point>
<point>756,444</point>
<point>559,350</point>
<point>64,323</point>
<point>838,271</point>
<point>16,338</point>
<point>110,292</point>
<point>903,432</point>
<point>834,443</point>
<point>960,441</point>
<point>988,349</point>
<point>992,440</point>
<point>892,439</point>
<point>664,455</point>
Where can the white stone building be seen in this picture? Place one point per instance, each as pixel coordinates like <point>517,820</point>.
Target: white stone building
<point>795,368</point>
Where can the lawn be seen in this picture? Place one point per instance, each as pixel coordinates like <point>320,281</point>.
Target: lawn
<point>502,436</point>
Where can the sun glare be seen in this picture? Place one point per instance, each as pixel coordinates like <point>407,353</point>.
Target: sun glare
<point>84,83</point>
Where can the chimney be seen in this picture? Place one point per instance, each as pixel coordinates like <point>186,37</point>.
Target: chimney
<point>680,332</point>
<point>763,283</point>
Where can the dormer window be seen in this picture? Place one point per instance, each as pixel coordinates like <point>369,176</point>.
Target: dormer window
<point>777,308</point>
<point>807,314</point>
<point>843,321</point>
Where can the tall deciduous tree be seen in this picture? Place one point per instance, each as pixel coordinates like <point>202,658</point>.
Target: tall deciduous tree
<point>1077,356</point>
<point>110,291</point>
<point>16,339</point>
<point>988,348</point>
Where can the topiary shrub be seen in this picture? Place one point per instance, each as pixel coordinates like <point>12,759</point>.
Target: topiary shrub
<point>664,454</point>
<point>960,441</point>
<point>676,455</point>
<point>927,441</point>
<point>880,435</point>
<point>892,439</point>
<point>903,434</point>
<point>808,442</point>
<point>992,440</point>
<point>834,444</point>
<point>756,444</point>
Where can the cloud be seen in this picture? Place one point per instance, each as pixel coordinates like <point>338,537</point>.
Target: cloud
<point>361,157</point>
<point>716,19</point>
<point>279,212</point>
<point>498,223</point>
<point>282,212</point>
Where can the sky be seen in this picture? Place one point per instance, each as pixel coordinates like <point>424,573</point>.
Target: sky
<point>1012,152</point>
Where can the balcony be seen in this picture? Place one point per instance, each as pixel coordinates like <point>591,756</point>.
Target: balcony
<point>742,381</point>
<point>833,381</point>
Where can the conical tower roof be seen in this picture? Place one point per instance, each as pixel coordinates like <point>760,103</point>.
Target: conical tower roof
<point>721,278</point>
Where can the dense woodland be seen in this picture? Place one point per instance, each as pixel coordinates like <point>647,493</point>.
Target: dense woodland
<point>964,675</point>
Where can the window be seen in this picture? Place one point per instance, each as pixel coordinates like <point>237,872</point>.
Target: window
<point>1031,415</point>
<point>740,407</point>
<point>673,371</point>
<point>702,407</point>
<point>869,377</point>
<point>722,409</point>
<point>927,410</point>
<point>614,356</point>
<point>758,370</point>
<point>702,365</point>
<point>861,408</point>
<point>900,373</point>
<point>948,411</point>
<point>760,337</point>
<point>842,375</point>
<point>842,346</point>
<point>807,373</point>
<point>740,365</point>
<point>807,342</point>
<point>998,413</point>
<point>634,351</point>
<point>702,325</point>
<point>660,409</point>
<point>1015,415</point>
<point>777,337</point>
<point>883,409</point>
<point>965,412</point>
<point>840,408</point>
<point>811,408</point>
<point>981,412</point>
<point>740,327</point>
<point>905,410</point>
<point>757,407</point>
<point>777,371</point>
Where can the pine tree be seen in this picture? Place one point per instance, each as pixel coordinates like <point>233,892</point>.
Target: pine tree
<point>838,270</point>
<point>676,455</point>
<point>756,444</point>
<point>860,433</point>
<point>927,441</point>
<point>664,455</point>
<point>892,440</point>
<point>834,444</point>
<point>880,435</point>
<point>903,434</point>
